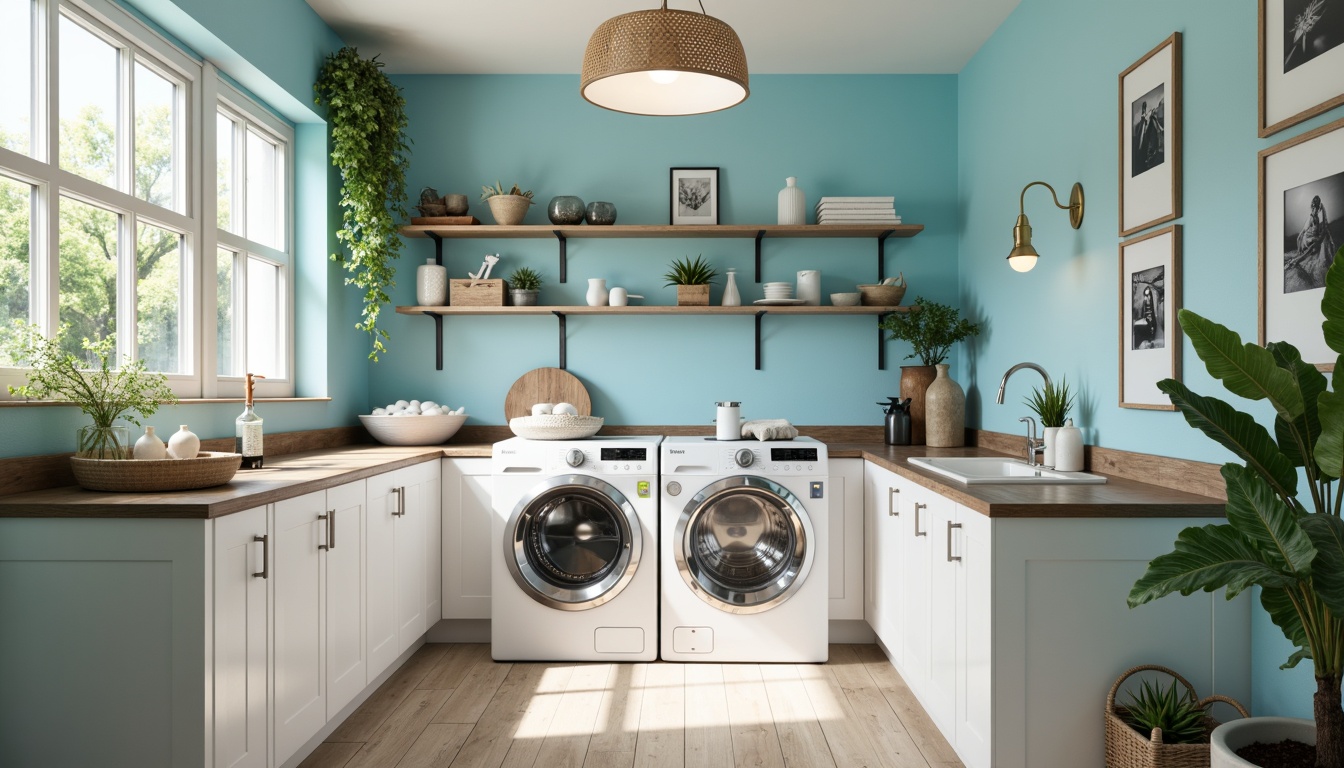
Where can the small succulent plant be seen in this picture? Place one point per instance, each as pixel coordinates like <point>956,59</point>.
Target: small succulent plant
<point>488,191</point>
<point>1051,404</point>
<point>687,272</point>
<point>525,279</point>
<point>1178,714</point>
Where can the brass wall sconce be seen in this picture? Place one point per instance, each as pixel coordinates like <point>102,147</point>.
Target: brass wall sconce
<point>1023,256</point>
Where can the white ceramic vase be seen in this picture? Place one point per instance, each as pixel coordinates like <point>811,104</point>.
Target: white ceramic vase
<point>1227,738</point>
<point>731,296</point>
<point>809,287</point>
<point>184,444</point>
<point>597,292</point>
<point>149,447</point>
<point>431,284</point>
<point>792,203</point>
<point>1068,448</point>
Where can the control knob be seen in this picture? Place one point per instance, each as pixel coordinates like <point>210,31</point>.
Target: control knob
<point>744,457</point>
<point>574,457</point>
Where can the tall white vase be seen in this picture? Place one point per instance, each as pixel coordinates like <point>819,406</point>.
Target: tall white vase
<point>731,296</point>
<point>431,284</point>
<point>597,292</point>
<point>792,203</point>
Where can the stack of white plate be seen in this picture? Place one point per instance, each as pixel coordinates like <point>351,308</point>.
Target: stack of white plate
<point>778,291</point>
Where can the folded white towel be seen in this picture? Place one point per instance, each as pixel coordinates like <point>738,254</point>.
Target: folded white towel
<point>769,429</point>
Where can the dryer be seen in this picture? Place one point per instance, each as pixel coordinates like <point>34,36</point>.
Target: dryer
<point>744,555</point>
<point>575,563</point>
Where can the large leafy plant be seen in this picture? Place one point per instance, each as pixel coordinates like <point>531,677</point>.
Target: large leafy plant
<point>368,143</point>
<point>930,328</point>
<point>1285,539</point>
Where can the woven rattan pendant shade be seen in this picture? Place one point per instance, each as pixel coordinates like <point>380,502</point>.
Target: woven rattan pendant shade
<point>704,53</point>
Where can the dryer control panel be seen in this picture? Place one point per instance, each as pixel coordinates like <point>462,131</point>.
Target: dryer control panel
<point>772,460</point>
<point>615,460</point>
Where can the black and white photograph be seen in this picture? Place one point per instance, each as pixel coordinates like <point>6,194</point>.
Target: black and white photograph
<point>1145,296</point>
<point>1311,237</point>
<point>1310,29</point>
<point>1148,136</point>
<point>1150,337</point>
<point>695,196</point>
<point>1149,114</point>
<point>1301,57</point>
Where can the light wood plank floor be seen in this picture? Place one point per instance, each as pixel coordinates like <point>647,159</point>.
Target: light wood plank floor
<point>451,706</point>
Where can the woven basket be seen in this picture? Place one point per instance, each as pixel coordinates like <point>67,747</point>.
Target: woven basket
<point>1127,748</point>
<point>207,470</point>
<point>509,209</point>
<point>881,295</point>
<point>552,427</point>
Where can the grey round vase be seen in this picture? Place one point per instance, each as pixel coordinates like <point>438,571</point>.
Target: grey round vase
<point>565,209</point>
<point>601,213</point>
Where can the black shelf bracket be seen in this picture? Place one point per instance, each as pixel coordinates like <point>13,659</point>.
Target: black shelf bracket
<point>760,233</point>
<point>563,341</point>
<point>882,255</point>
<point>564,256</point>
<point>438,249</point>
<point>759,315</point>
<point>881,343</point>
<point>438,339</point>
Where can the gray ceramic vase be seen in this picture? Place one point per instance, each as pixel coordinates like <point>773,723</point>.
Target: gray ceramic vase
<point>565,210</point>
<point>944,412</point>
<point>601,213</point>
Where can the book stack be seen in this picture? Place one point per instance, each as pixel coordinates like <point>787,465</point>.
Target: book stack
<point>857,210</point>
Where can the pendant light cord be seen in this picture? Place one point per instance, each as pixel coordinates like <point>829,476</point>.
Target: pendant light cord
<point>702,7</point>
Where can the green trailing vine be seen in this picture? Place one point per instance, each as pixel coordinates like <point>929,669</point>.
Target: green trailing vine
<point>368,143</point>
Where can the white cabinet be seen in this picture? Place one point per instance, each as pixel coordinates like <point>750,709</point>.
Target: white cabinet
<point>347,661</point>
<point>918,507</point>
<point>884,585</point>
<point>467,542</point>
<point>973,549</point>
<point>401,560</point>
<point>845,515</point>
<point>240,576</point>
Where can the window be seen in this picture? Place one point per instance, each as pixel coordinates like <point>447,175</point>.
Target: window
<point>110,232</point>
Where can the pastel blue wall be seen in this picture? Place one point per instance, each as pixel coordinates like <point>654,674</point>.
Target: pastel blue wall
<point>1039,102</point>
<point>852,135</point>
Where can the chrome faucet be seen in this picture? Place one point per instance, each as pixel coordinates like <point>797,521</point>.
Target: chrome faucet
<point>1035,446</point>
<point>1004,381</point>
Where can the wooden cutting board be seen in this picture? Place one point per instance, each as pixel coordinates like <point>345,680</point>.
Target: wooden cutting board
<point>546,385</point>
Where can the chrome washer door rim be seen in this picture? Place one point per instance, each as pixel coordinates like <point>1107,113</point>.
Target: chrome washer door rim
<point>578,598</point>
<point>781,588</point>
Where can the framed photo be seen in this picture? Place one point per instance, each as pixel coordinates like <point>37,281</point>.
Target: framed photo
<point>1301,61</point>
<point>695,196</point>
<point>1301,228</point>
<point>1150,337</point>
<point>1150,138</point>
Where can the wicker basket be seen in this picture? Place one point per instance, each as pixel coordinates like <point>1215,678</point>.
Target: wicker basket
<point>1127,748</point>
<point>509,209</point>
<point>881,295</point>
<point>555,427</point>
<point>207,470</point>
<point>477,293</point>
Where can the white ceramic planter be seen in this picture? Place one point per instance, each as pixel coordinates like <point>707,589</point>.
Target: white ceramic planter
<point>1229,737</point>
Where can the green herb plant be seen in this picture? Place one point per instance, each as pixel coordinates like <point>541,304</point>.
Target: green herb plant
<point>1284,538</point>
<point>1174,710</point>
<point>687,272</point>
<point>106,393</point>
<point>1051,404</point>
<point>488,192</point>
<point>930,328</point>
<point>525,279</point>
<point>367,114</point>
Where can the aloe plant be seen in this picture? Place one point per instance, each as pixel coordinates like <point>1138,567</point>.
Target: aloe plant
<point>488,192</point>
<point>1174,710</point>
<point>525,279</point>
<point>687,272</point>
<point>1051,404</point>
<point>1286,540</point>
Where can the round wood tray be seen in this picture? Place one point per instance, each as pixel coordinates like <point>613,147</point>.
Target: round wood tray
<point>208,469</point>
<point>552,427</point>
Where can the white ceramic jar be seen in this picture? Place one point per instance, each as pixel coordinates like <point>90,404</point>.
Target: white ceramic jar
<point>431,284</point>
<point>809,287</point>
<point>184,444</point>
<point>792,203</point>
<point>1069,448</point>
<point>597,292</point>
<point>149,447</point>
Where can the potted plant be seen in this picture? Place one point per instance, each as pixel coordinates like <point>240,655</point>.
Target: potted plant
<point>367,115</point>
<point>508,208</point>
<point>105,393</point>
<point>1051,406</point>
<point>1283,537</point>
<point>1160,727</point>
<point>524,284</point>
<point>692,279</point>
<point>931,329</point>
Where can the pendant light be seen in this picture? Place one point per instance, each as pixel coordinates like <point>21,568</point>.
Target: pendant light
<point>664,62</point>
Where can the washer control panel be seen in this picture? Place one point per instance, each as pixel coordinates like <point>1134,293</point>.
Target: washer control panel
<point>624,460</point>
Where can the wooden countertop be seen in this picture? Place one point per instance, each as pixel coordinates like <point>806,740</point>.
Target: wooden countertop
<point>300,473</point>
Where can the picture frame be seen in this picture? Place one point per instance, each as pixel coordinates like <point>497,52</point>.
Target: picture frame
<point>694,197</point>
<point>1301,184</point>
<point>1301,61</point>
<point>1150,335</point>
<point>1150,138</point>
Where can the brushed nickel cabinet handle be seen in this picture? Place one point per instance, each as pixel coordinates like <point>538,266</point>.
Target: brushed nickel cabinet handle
<point>328,527</point>
<point>891,502</point>
<point>331,529</point>
<point>401,501</point>
<point>918,507</point>
<point>265,554</point>
<point>950,526</point>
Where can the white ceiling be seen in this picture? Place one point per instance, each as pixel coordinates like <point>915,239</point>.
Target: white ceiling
<point>780,36</point>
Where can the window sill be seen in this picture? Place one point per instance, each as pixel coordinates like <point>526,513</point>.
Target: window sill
<point>183,401</point>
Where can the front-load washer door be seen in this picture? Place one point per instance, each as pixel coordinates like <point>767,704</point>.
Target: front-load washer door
<point>742,544</point>
<point>573,542</point>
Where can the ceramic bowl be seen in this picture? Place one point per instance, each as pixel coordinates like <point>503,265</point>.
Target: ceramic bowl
<point>845,299</point>
<point>413,430</point>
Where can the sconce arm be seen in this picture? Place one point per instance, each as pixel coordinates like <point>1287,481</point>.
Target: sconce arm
<point>1075,206</point>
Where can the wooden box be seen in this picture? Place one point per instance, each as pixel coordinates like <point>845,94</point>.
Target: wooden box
<point>477,293</point>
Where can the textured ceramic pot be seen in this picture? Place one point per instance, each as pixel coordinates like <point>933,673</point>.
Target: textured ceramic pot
<point>456,205</point>
<point>944,412</point>
<point>565,210</point>
<point>1227,738</point>
<point>915,381</point>
<point>600,214</point>
<point>792,203</point>
<point>431,284</point>
<point>509,209</point>
<point>524,298</point>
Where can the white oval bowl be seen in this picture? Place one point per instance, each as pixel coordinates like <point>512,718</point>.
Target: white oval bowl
<point>413,430</point>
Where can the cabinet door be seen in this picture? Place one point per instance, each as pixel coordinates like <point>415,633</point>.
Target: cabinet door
<point>409,582</point>
<point>884,587</point>
<point>240,633</point>
<point>347,671</point>
<point>299,622</point>
<point>974,638</point>
<point>939,694</point>
<point>917,542</point>
<point>845,515</point>
<point>380,607</point>
<point>467,542</point>
<point>432,494</point>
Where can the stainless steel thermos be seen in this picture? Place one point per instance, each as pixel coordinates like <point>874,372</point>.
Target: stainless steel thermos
<point>898,421</point>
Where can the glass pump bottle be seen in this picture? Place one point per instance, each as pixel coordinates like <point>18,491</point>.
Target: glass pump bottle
<point>247,430</point>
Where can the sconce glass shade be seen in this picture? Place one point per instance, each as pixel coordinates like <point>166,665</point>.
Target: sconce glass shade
<point>664,62</point>
<point>1023,256</point>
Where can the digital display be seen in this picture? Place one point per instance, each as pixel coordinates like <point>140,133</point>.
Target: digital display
<point>625,454</point>
<point>793,454</point>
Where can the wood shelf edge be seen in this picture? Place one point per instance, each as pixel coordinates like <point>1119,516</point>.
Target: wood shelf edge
<point>747,310</point>
<point>544,231</point>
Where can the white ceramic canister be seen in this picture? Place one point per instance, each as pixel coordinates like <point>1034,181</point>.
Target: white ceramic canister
<point>728,421</point>
<point>1069,448</point>
<point>597,292</point>
<point>792,203</point>
<point>618,297</point>
<point>431,284</point>
<point>184,444</point>
<point>149,447</point>
<point>731,296</point>
<point>809,287</point>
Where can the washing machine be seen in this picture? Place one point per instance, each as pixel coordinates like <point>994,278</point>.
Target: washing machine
<point>744,558</point>
<point>575,566</point>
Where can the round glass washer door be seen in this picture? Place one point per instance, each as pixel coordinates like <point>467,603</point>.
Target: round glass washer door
<point>743,544</point>
<point>573,542</point>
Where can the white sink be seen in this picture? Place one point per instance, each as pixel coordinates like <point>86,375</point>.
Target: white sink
<point>976,470</point>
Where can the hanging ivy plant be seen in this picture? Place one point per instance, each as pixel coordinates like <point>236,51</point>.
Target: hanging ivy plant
<point>368,143</point>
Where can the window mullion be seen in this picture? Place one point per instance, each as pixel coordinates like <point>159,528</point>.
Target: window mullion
<point>205,204</point>
<point>126,286</point>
